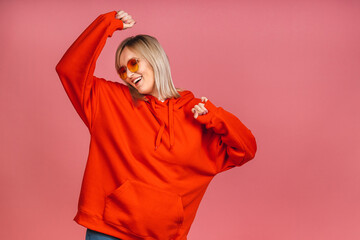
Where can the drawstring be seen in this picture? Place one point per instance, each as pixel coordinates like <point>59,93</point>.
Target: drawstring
<point>159,135</point>
<point>162,123</point>
<point>171,123</point>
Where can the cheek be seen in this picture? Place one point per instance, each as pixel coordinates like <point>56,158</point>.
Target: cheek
<point>149,72</point>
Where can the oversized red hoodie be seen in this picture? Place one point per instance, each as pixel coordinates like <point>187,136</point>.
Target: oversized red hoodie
<point>149,164</point>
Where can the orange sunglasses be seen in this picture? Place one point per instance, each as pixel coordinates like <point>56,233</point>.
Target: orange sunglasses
<point>132,65</point>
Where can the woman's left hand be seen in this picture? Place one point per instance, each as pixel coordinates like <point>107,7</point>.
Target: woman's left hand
<point>200,109</point>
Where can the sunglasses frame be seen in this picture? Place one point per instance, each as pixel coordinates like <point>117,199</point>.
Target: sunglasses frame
<point>126,67</point>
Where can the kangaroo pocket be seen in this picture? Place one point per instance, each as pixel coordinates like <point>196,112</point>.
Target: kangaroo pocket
<point>145,210</point>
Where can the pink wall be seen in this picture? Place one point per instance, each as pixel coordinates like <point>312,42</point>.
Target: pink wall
<point>288,69</point>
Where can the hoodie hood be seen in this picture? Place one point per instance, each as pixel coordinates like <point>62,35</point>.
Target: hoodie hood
<point>165,110</point>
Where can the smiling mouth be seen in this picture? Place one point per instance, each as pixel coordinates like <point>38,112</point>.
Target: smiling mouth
<point>136,81</point>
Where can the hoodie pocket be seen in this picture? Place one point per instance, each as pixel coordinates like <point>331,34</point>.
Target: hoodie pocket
<point>145,210</point>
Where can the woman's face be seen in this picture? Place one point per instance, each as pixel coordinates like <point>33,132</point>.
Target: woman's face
<point>147,83</point>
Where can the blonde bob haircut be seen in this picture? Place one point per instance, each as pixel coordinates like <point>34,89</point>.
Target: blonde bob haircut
<point>150,49</point>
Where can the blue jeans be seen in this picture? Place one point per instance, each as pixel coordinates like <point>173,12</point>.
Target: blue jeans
<point>94,235</point>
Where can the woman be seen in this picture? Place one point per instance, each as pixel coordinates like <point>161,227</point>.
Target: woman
<point>154,148</point>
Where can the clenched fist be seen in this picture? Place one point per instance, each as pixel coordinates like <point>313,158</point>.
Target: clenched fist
<point>200,109</point>
<point>127,19</point>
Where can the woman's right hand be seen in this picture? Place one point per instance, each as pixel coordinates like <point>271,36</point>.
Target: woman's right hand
<point>127,20</point>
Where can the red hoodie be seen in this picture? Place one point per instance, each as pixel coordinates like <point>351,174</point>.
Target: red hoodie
<point>149,164</point>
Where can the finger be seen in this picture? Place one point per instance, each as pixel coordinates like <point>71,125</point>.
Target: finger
<point>198,108</point>
<point>129,21</point>
<point>117,16</point>
<point>201,111</point>
<point>128,25</point>
<point>118,13</point>
<point>196,115</point>
<point>193,110</point>
<point>122,15</point>
<point>202,106</point>
<point>204,109</point>
<point>204,99</point>
<point>132,23</point>
<point>125,18</point>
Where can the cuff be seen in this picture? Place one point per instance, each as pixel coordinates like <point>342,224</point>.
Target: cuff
<point>206,118</point>
<point>115,24</point>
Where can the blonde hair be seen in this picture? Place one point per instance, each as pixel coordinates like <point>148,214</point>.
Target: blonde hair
<point>150,49</point>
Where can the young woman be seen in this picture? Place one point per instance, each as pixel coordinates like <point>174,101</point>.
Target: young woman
<point>154,148</point>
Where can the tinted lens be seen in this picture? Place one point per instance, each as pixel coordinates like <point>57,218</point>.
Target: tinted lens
<point>122,73</point>
<point>133,65</point>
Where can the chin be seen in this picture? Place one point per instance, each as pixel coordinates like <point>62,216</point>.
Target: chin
<point>144,91</point>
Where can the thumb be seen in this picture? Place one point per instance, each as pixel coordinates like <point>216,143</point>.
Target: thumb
<point>196,114</point>
<point>128,24</point>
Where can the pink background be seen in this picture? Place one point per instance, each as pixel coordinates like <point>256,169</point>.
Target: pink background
<point>289,70</point>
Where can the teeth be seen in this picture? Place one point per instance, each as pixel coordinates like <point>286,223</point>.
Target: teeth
<point>137,80</point>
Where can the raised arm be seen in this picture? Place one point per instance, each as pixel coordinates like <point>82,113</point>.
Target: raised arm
<point>76,67</point>
<point>232,143</point>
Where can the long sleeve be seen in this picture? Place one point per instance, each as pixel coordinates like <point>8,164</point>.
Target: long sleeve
<point>232,143</point>
<point>76,67</point>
